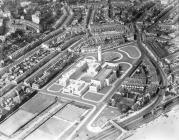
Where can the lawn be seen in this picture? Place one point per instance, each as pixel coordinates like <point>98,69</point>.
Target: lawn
<point>107,114</point>
<point>38,103</point>
<point>105,90</point>
<point>111,56</point>
<point>14,122</point>
<point>125,66</point>
<point>55,87</point>
<point>71,113</point>
<point>132,51</point>
<point>26,112</point>
<point>50,130</point>
<point>93,96</point>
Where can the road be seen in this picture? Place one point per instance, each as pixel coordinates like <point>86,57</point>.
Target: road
<point>163,81</point>
<point>137,119</point>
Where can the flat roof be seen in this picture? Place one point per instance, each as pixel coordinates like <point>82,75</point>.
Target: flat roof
<point>69,73</point>
<point>1,21</point>
<point>103,74</point>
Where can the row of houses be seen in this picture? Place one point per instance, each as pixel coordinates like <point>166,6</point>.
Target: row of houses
<point>106,27</point>
<point>52,68</point>
<point>23,24</point>
<point>26,67</point>
<point>137,90</point>
<point>13,99</point>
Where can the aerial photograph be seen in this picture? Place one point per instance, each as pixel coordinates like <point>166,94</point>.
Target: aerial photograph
<point>89,70</point>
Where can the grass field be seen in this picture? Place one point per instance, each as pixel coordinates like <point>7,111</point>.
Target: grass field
<point>26,112</point>
<point>111,56</point>
<point>14,122</point>
<point>125,66</point>
<point>132,51</point>
<point>55,87</point>
<point>93,96</point>
<point>50,130</point>
<point>71,113</point>
<point>62,124</point>
<point>105,90</point>
<point>107,114</point>
<point>38,103</point>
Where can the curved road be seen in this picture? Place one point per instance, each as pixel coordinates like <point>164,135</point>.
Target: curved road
<point>163,83</point>
<point>137,118</point>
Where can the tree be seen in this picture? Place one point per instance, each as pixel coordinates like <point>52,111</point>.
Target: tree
<point>117,97</point>
<point>119,69</point>
<point>2,54</point>
<point>123,108</point>
<point>146,99</point>
<point>136,106</point>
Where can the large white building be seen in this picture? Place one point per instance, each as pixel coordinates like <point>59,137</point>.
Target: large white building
<point>36,17</point>
<point>105,77</point>
<point>94,68</point>
<point>2,26</point>
<point>72,73</point>
<point>70,82</point>
<point>101,76</point>
<point>76,87</point>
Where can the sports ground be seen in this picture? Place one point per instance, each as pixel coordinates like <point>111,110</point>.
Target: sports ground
<point>65,120</point>
<point>60,123</point>
<point>26,113</point>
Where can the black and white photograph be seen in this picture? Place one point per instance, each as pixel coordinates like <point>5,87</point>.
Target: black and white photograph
<point>89,70</point>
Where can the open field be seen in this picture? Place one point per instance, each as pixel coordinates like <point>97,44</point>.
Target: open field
<point>38,103</point>
<point>105,90</point>
<point>26,113</point>
<point>94,97</point>
<point>131,51</point>
<point>112,56</point>
<point>50,130</point>
<point>65,120</point>
<point>125,66</point>
<point>71,113</point>
<point>55,87</point>
<point>106,114</point>
<point>14,122</point>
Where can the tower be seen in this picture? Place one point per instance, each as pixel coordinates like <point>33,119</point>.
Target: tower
<point>99,54</point>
